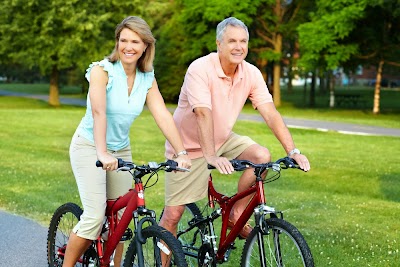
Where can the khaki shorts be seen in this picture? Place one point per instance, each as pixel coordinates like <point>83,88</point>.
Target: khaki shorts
<point>96,185</point>
<point>187,187</point>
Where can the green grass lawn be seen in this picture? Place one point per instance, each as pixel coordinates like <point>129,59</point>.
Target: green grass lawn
<point>347,206</point>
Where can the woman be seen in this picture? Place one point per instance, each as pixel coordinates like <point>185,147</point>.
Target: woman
<point>118,88</point>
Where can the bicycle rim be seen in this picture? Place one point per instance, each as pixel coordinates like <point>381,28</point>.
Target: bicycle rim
<point>282,246</point>
<point>157,241</point>
<point>63,221</point>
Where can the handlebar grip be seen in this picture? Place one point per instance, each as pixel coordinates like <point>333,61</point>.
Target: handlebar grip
<point>210,167</point>
<point>120,163</point>
<point>171,164</point>
<point>238,165</point>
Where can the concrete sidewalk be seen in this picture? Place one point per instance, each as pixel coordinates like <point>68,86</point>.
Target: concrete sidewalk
<point>345,128</point>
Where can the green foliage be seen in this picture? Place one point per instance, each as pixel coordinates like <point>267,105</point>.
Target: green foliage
<point>189,33</point>
<point>342,32</point>
<point>62,33</point>
<point>320,38</point>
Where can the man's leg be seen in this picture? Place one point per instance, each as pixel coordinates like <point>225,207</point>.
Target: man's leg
<point>171,217</point>
<point>257,154</point>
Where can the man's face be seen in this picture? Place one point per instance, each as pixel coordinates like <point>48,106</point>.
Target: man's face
<point>233,48</point>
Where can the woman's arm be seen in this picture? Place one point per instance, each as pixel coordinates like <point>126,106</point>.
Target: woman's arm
<point>165,122</point>
<point>97,94</point>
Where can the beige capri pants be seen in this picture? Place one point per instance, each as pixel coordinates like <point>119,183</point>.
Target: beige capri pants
<point>186,187</point>
<point>96,185</point>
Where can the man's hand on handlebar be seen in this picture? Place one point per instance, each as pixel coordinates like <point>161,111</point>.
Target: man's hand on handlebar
<point>302,161</point>
<point>222,164</point>
<point>184,163</point>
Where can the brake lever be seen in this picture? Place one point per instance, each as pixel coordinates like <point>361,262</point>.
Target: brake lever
<point>124,168</point>
<point>288,163</point>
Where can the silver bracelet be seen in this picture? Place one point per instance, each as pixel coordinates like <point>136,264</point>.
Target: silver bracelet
<point>183,152</point>
<point>294,151</point>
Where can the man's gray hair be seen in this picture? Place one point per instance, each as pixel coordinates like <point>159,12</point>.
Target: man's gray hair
<point>231,21</point>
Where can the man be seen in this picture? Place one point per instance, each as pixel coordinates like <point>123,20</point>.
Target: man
<point>214,91</point>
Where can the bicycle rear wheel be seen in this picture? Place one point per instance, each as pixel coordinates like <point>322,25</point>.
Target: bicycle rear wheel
<point>157,240</point>
<point>191,241</point>
<point>63,221</point>
<point>283,245</point>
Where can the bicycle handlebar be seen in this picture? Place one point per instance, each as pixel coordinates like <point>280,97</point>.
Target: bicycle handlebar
<point>167,166</point>
<point>282,163</point>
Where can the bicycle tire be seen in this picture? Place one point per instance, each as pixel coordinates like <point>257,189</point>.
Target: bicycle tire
<point>152,247</point>
<point>282,239</point>
<point>62,222</point>
<point>192,240</point>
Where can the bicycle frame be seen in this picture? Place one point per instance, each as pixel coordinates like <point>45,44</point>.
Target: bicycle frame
<point>134,203</point>
<point>226,203</point>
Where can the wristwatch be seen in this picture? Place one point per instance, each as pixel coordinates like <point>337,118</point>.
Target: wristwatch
<point>183,152</point>
<point>294,151</point>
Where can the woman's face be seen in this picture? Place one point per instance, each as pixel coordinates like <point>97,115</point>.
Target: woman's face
<point>130,46</point>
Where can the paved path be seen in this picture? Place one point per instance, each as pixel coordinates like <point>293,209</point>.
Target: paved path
<point>23,241</point>
<point>345,128</point>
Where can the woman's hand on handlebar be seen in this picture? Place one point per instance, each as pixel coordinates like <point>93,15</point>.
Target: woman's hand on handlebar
<point>109,162</point>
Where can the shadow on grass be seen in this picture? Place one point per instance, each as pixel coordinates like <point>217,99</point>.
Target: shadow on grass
<point>390,186</point>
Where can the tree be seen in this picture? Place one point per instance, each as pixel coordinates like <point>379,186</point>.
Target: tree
<point>275,28</point>
<point>59,35</point>
<point>342,33</point>
<point>378,37</point>
<point>190,33</point>
<point>320,45</point>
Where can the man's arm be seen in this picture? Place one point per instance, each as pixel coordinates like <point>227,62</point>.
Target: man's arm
<point>275,122</point>
<point>206,140</point>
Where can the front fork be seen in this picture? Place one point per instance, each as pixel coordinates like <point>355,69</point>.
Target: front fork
<point>149,216</point>
<point>260,214</point>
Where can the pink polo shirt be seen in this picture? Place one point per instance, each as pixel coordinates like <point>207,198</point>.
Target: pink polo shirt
<point>206,85</point>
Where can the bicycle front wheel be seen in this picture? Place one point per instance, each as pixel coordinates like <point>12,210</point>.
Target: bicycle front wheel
<point>63,221</point>
<point>158,241</point>
<point>282,245</point>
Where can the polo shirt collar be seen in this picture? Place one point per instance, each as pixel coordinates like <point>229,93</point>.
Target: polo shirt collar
<point>220,71</point>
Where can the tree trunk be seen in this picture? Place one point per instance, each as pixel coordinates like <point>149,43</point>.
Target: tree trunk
<point>312,89</point>
<point>54,98</point>
<point>262,64</point>
<point>377,93</point>
<point>277,71</point>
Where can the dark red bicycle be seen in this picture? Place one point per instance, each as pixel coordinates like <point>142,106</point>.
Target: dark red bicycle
<point>273,242</point>
<point>149,240</point>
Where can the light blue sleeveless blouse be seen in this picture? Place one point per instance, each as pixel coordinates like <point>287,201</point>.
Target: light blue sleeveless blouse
<point>121,109</point>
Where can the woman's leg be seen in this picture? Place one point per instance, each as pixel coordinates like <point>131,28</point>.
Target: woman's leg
<point>91,182</point>
<point>76,247</point>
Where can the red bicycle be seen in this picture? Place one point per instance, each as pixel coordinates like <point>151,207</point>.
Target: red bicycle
<point>272,242</point>
<point>149,242</point>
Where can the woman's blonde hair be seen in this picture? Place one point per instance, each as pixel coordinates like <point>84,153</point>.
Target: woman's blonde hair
<point>139,26</point>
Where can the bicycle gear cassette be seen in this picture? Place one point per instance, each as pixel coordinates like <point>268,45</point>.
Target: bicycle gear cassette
<point>206,256</point>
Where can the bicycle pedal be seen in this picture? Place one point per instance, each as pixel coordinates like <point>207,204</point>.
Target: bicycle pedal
<point>127,235</point>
